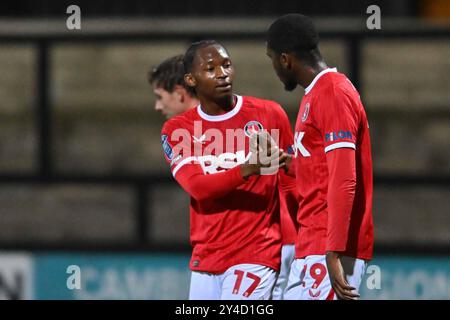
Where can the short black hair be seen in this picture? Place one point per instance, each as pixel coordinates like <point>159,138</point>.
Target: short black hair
<point>168,74</point>
<point>294,33</point>
<point>192,50</point>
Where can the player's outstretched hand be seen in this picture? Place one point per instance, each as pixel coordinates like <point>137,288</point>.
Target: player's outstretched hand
<point>340,286</point>
<point>275,157</point>
<point>266,157</point>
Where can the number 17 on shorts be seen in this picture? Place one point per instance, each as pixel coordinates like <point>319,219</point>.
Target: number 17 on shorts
<point>248,281</point>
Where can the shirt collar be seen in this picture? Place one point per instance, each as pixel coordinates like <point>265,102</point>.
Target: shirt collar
<point>316,78</point>
<point>224,116</point>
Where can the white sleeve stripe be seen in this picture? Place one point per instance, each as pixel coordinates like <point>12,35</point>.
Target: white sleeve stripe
<point>338,145</point>
<point>182,163</point>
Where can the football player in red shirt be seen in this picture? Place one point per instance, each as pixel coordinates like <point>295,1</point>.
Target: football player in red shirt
<point>333,167</point>
<point>172,94</point>
<point>234,210</point>
<point>174,97</point>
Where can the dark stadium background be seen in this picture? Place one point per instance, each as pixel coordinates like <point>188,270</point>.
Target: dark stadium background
<point>82,176</point>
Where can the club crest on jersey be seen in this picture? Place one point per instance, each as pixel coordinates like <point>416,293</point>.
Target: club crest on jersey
<point>305,113</point>
<point>166,147</point>
<point>252,127</point>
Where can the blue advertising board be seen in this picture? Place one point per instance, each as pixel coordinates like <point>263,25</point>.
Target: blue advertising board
<point>115,276</point>
<point>166,276</point>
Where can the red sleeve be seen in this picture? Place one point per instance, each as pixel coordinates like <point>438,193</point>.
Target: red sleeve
<point>179,154</point>
<point>338,121</point>
<point>202,186</point>
<point>341,193</point>
<point>289,200</point>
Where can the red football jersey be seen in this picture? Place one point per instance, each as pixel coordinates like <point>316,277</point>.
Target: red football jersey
<point>232,220</point>
<point>288,209</point>
<point>333,167</point>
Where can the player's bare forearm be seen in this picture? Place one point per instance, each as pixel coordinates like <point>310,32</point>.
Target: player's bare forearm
<point>337,278</point>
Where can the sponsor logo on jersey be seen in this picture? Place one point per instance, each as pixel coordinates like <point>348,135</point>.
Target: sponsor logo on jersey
<point>333,136</point>
<point>305,113</point>
<point>298,145</point>
<point>252,127</point>
<point>166,147</point>
<point>214,164</point>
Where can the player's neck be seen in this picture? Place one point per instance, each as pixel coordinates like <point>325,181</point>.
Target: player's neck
<point>309,73</point>
<point>214,108</point>
<point>192,103</point>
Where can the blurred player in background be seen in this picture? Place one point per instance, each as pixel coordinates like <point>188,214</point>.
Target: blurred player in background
<point>234,210</point>
<point>173,96</point>
<point>333,167</point>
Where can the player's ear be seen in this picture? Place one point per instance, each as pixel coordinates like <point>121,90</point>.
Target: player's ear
<point>190,80</point>
<point>285,60</point>
<point>180,92</point>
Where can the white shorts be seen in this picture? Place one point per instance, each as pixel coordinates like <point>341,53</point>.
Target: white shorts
<point>240,282</point>
<point>287,257</point>
<point>309,278</point>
